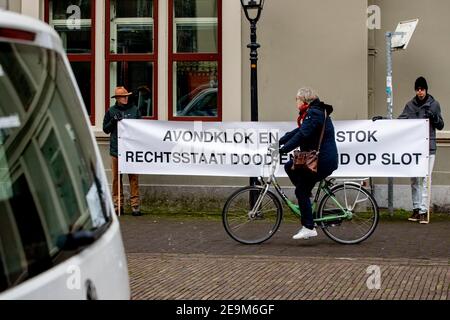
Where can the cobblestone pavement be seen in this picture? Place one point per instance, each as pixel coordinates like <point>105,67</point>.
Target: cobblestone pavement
<point>199,277</point>
<point>195,259</point>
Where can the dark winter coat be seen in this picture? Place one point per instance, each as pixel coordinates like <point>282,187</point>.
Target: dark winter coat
<point>414,110</point>
<point>128,111</point>
<point>308,135</point>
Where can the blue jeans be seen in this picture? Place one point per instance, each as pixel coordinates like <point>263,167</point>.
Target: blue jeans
<point>304,182</point>
<point>419,188</point>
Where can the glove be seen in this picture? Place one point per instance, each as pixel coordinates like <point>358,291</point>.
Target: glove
<point>430,115</point>
<point>118,117</point>
<point>377,118</point>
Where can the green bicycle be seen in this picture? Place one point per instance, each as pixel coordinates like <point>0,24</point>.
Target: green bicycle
<point>346,212</point>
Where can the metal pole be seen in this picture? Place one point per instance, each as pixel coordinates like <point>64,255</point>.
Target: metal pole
<point>390,104</point>
<point>429,194</point>
<point>254,71</point>
<point>119,184</point>
<point>253,46</point>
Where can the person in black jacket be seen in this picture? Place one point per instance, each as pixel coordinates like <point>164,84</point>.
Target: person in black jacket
<point>121,110</point>
<point>423,106</point>
<point>306,136</point>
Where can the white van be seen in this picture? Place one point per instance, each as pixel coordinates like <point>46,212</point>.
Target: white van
<point>59,238</point>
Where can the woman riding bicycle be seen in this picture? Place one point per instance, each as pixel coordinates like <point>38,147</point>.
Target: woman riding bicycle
<point>310,123</point>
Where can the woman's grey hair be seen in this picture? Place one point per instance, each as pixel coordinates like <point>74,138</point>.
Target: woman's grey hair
<point>307,94</point>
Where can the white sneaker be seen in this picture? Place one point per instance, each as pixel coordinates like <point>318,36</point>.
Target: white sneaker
<point>305,233</point>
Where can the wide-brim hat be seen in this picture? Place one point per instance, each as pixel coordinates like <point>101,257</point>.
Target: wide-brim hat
<point>121,92</point>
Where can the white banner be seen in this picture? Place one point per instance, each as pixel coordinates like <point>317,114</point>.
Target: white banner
<point>385,148</point>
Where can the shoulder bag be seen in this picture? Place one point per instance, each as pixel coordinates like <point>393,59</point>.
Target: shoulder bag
<point>308,160</point>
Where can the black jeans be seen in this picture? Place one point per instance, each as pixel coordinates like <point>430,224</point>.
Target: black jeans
<point>304,182</point>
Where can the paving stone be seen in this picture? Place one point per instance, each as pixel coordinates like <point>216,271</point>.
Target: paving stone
<point>174,260</point>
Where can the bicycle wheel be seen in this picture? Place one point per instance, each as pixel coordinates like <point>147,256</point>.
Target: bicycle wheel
<point>360,203</point>
<point>241,226</point>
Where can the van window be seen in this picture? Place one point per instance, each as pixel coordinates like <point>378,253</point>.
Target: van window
<point>49,182</point>
<point>12,64</point>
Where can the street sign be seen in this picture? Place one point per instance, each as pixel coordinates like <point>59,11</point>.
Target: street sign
<point>403,34</point>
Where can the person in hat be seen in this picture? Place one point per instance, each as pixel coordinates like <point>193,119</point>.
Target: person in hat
<point>423,106</point>
<point>121,110</point>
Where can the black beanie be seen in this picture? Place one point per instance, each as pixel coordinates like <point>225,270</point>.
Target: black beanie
<point>421,82</point>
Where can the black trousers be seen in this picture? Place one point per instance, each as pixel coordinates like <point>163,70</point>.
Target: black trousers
<point>304,182</point>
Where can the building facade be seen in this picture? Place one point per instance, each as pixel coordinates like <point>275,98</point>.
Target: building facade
<point>188,61</point>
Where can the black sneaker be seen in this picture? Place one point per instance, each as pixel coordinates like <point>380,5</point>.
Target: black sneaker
<point>423,219</point>
<point>415,216</point>
<point>136,213</point>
